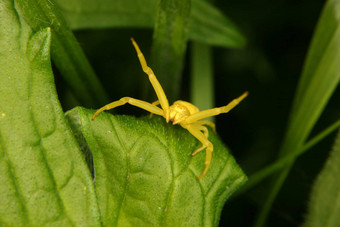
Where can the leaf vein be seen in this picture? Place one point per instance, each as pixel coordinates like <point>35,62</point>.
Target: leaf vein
<point>127,164</point>
<point>17,189</point>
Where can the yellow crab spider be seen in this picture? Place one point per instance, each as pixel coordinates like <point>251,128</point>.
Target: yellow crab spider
<point>183,113</point>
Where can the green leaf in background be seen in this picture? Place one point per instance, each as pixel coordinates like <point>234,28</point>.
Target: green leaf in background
<point>207,24</point>
<point>319,79</point>
<point>145,175</point>
<point>44,179</point>
<point>66,52</point>
<point>324,206</point>
<point>169,44</point>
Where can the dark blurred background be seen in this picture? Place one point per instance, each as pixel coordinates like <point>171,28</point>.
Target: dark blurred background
<point>269,67</point>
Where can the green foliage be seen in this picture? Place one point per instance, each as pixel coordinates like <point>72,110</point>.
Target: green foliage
<point>66,52</point>
<point>324,207</point>
<point>169,43</point>
<point>121,170</point>
<point>320,77</point>
<point>198,21</point>
<point>44,179</point>
<point>202,92</point>
<point>142,170</point>
<point>145,175</point>
<point>207,24</point>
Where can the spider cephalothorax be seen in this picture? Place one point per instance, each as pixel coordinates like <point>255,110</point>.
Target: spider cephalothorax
<point>181,112</point>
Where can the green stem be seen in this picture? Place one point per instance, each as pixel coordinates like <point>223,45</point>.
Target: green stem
<point>202,78</point>
<point>279,164</point>
<point>169,44</point>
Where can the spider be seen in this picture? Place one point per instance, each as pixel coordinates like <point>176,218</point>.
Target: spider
<point>180,112</point>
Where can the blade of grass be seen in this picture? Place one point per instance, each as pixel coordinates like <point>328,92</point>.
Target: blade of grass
<point>202,79</point>
<point>169,44</point>
<point>66,52</point>
<point>208,24</point>
<point>262,174</point>
<point>319,79</point>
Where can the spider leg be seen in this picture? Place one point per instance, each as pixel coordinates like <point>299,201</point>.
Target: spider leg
<point>196,132</point>
<point>206,134</point>
<point>135,102</point>
<point>215,111</point>
<point>209,123</point>
<point>155,83</point>
<point>156,103</point>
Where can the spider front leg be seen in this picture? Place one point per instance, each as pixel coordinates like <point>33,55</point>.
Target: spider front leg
<point>196,132</point>
<point>135,102</point>
<point>163,100</point>
<point>215,111</point>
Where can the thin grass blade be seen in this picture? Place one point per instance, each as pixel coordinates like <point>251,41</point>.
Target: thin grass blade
<point>269,170</point>
<point>169,44</point>
<point>202,78</point>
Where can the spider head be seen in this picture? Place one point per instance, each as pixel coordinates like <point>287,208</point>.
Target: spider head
<point>180,110</point>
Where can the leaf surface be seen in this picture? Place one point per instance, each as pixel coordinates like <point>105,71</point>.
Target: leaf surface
<point>145,175</point>
<point>44,179</point>
<point>324,206</point>
<point>66,51</point>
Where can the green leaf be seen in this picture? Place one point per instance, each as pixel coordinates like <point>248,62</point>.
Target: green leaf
<point>210,26</point>
<point>145,175</point>
<point>324,206</point>
<point>207,24</point>
<point>319,79</point>
<point>66,52</point>
<point>169,44</point>
<point>44,179</point>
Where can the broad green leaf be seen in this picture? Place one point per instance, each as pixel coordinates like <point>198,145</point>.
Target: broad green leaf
<point>169,44</point>
<point>207,24</point>
<point>44,179</point>
<point>66,52</point>
<point>145,175</point>
<point>324,206</point>
<point>319,79</point>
